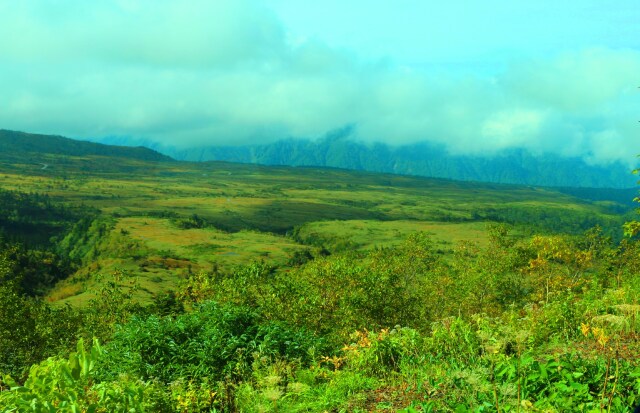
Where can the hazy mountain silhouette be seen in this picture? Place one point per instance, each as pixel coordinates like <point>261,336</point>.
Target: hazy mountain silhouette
<point>337,149</point>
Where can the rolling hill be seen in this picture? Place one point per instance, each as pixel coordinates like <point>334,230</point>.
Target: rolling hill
<point>161,262</point>
<point>23,146</point>
<point>160,220</point>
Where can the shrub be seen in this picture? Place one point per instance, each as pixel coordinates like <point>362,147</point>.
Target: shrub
<point>214,342</point>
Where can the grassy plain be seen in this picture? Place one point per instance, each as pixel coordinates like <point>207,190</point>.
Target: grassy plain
<point>245,213</point>
<point>298,276</point>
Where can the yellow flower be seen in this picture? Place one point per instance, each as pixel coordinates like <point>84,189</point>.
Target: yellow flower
<point>585,329</point>
<point>602,340</point>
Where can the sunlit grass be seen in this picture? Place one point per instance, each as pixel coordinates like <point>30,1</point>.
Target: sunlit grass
<point>366,234</point>
<point>249,210</point>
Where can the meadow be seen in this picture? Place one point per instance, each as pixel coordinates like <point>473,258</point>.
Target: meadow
<point>174,286</point>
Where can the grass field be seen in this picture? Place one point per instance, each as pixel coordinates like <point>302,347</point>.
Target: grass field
<point>247,213</point>
<point>301,289</point>
<point>368,234</point>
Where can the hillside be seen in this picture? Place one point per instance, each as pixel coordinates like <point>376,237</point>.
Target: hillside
<point>513,166</point>
<point>27,146</point>
<point>215,286</point>
<point>182,216</point>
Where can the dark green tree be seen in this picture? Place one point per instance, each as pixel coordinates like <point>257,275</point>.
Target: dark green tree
<point>632,228</point>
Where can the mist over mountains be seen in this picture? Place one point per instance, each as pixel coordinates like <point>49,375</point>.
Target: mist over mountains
<point>339,150</point>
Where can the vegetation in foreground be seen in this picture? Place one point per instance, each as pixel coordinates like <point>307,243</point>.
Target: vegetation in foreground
<point>547,323</point>
<point>523,319</point>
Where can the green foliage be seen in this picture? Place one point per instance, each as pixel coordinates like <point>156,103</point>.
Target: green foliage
<point>80,243</point>
<point>59,385</point>
<point>192,222</point>
<point>31,331</point>
<point>33,217</point>
<point>168,303</point>
<point>213,342</point>
<point>542,322</point>
<point>339,294</point>
<point>285,387</point>
<point>33,271</point>
<point>384,352</point>
<point>93,238</point>
<point>299,258</point>
<point>114,304</point>
<point>284,341</point>
<point>632,228</point>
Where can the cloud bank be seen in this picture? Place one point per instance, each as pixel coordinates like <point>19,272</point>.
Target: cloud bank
<point>190,73</point>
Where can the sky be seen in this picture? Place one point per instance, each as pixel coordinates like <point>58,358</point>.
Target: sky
<point>476,76</point>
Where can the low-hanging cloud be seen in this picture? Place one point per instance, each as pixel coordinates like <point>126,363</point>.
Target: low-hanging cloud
<point>225,72</point>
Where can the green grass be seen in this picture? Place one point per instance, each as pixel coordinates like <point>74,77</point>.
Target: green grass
<point>170,254</point>
<point>367,234</point>
<point>249,210</point>
<point>509,323</point>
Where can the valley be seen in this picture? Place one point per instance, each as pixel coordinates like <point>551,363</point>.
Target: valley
<point>189,217</point>
<point>286,206</point>
<point>331,279</point>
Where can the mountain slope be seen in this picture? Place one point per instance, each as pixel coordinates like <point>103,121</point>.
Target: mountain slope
<point>159,221</point>
<point>516,166</point>
<point>15,145</point>
<point>512,166</point>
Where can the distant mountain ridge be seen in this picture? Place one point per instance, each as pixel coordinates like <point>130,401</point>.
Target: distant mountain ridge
<point>15,144</point>
<point>512,166</point>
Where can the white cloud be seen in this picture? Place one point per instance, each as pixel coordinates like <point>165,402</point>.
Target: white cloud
<point>194,33</point>
<point>579,81</point>
<point>203,72</point>
<point>512,127</point>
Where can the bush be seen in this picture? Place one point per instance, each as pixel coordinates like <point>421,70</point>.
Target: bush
<point>214,342</point>
<point>31,330</point>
